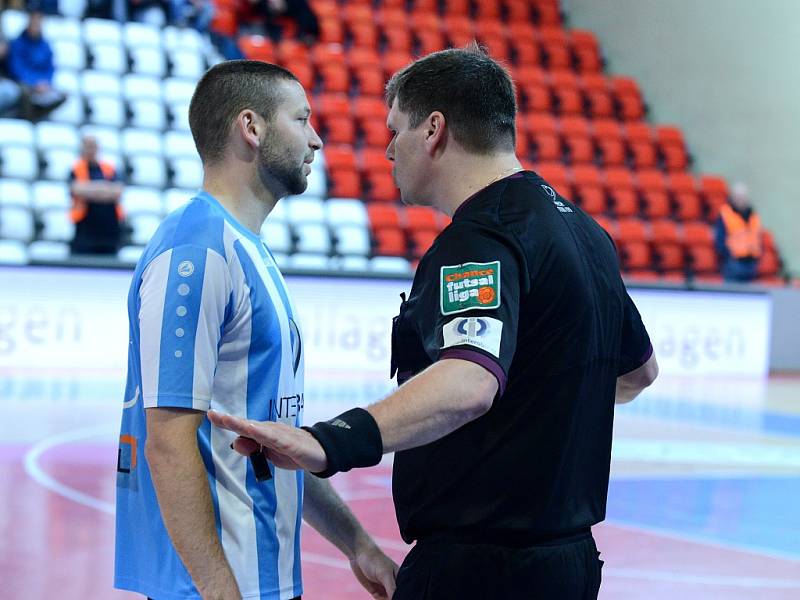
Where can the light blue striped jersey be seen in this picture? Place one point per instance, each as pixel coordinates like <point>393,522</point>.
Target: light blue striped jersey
<point>211,326</point>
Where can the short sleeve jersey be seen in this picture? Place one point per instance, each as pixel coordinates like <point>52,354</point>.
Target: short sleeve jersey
<point>211,327</point>
<point>527,285</point>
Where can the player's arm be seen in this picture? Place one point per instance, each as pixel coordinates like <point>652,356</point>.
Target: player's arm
<point>184,498</point>
<point>325,511</point>
<point>632,384</point>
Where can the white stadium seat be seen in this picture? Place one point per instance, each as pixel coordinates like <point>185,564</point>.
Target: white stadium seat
<point>179,115</point>
<point>71,112</point>
<point>14,192</point>
<point>62,28</point>
<point>13,23</point>
<point>16,223</point>
<point>174,198</point>
<point>136,87</point>
<point>46,251</point>
<point>178,90</point>
<point>106,110</point>
<point>352,239</point>
<point>51,135</point>
<point>68,54</point>
<point>144,226</point>
<point>108,57</point>
<point>138,35</point>
<point>18,161</point>
<point>179,143</point>
<point>187,63</point>
<point>277,236</point>
<point>346,211</point>
<point>58,163</point>
<point>72,8</point>
<point>102,30</point>
<point>313,238</point>
<point>147,170</point>
<point>66,80</point>
<point>148,61</point>
<point>141,141</point>
<point>50,195</point>
<point>187,172</point>
<point>16,132</point>
<point>130,254</point>
<point>58,227</point>
<point>352,264</point>
<point>142,200</point>
<point>94,83</point>
<point>302,209</point>
<point>308,262</point>
<point>182,38</point>
<point>390,265</point>
<point>148,114</point>
<point>13,252</point>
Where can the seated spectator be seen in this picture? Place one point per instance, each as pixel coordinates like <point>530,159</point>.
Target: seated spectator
<point>48,7</point>
<point>10,92</point>
<point>738,236</point>
<point>30,63</point>
<point>96,211</point>
<point>224,29</point>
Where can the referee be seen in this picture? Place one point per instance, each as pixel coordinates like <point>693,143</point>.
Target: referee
<point>516,341</point>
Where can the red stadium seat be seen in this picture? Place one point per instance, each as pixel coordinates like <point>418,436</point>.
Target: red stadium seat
<point>665,231</point>
<point>698,233</point>
<point>398,39</point>
<point>381,187</point>
<point>555,174</point>
<point>394,60</point>
<point>257,47</point>
<point>555,42</point>
<point>370,81</point>
<point>328,54</point>
<point>564,87</point>
<point>673,148</point>
<point>641,144</point>
<point>290,52</point>
<point>421,218</point>
<point>345,183</point>
<point>629,98</point>
<point>518,11</point>
<point>335,78</point>
<point>340,157</point>
<point>339,129</point>
<point>376,133</point>
<point>588,184</point>
<point>546,12</point>
<point>493,27</point>
<point>586,51</point>
<point>669,257</point>
<point>632,230</point>
<point>359,58</point>
<point>457,7</point>
<point>715,193</point>
<point>577,139</point>
<point>687,200</point>
<point>327,105</point>
<point>421,241</point>
<point>364,35</point>
<point>487,9</point>
<point>610,225</point>
<point>390,242</point>
<point>331,31</point>
<point>653,188</point>
<point>373,160</point>
<point>702,259</point>
<point>620,187</point>
<point>527,52</point>
<point>543,134</point>
<point>366,107</point>
<point>635,255</point>
<point>608,137</point>
<point>430,41</point>
<point>385,215</point>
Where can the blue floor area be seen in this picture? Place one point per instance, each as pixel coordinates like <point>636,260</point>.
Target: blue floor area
<point>745,512</point>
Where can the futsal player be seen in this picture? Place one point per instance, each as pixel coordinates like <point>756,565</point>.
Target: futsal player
<point>212,325</point>
<point>515,341</point>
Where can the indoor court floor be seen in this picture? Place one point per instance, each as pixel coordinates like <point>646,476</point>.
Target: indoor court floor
<point>703,502</point>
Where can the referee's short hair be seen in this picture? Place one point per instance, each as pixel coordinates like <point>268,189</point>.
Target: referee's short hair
<point>223,92</point>
<point>474,93</point>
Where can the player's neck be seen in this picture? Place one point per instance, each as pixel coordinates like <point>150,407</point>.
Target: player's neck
<point>244,197</point>
<point>471,173</point>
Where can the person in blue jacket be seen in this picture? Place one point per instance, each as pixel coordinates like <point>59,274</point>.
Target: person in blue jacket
<point>30,63</point>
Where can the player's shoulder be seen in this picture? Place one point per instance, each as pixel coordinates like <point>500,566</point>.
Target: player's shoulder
<point>198,224</point>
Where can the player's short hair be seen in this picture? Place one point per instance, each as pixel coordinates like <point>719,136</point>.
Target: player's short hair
<point>223,92</point>
<point>474,92</point>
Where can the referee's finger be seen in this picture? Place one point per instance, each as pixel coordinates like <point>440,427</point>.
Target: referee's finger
<point>235,424</point>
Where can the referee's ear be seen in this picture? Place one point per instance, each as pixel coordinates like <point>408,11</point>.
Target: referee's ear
<point>435,127</point>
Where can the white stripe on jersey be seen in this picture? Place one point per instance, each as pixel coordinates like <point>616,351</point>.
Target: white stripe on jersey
<point>285,481</point>
<point>238,536</point>
<point>214,298</point>
<point>154,286</point>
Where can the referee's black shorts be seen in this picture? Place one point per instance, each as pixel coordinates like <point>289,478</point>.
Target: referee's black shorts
<point>444,569</point>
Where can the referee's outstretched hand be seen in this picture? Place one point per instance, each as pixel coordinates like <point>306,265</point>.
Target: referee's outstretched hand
<point>285,446</point>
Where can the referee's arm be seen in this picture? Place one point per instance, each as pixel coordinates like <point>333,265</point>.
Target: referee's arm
<point>631,384</point>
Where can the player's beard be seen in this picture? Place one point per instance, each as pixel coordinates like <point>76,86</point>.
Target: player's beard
<point>278,172</point>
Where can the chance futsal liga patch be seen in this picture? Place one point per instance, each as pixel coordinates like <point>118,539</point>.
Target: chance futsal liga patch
<point>469,286</point>
<point>481,332</point>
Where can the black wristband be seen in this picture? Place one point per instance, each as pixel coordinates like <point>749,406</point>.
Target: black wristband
<point>350,440</point>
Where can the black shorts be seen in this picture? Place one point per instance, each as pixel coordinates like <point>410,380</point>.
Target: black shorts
<point>440,569</point>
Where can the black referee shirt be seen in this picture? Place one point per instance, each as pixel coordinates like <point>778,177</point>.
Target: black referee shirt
<point>526,284</point>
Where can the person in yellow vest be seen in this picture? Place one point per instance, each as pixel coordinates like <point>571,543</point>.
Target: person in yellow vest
<point>96,212</point>
<point>739,236</point>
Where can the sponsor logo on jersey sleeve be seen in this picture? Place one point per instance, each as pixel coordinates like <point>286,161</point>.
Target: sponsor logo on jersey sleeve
<point>469,286</point>
<point>482,332</point>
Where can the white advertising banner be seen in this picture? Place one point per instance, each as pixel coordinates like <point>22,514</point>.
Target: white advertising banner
<point>75,321</point>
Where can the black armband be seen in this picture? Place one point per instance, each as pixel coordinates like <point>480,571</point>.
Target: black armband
<point>350,440</point>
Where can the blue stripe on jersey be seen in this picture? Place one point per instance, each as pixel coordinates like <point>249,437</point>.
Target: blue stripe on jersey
<point>183,293</point>
<point>201,224</point>
<point>297,577</point>
<point>263,376</point>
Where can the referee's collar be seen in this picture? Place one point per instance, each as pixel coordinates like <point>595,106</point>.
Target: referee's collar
<point>463,206</point>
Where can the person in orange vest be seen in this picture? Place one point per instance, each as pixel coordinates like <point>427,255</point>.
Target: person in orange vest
<point>738,236</point>
<point>96,212</point>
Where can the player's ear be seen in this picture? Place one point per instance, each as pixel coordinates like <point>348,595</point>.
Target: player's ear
<point>250,127</point>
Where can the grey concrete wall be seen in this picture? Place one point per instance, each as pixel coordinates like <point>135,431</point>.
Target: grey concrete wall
<point>728,73</point>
